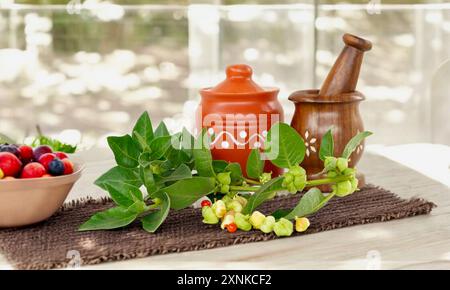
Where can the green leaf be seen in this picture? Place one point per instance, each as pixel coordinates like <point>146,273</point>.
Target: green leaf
<point>219,165</point>
<point>159,146</point>
<point>164,165</point>
<point>187,142</point>
<point>112,218</point>
<point>125,150</point>
<point>203,157</point>
<point>279,213</point>
<point>236,173</point>
<point>161,130</point>
<point>286,146</point>
<point>177,155</point>
<point>185,192</point>
<point>138,207</point>
<point>265,191</point>
<point>181,172</point>
<point>147,179</point>
<point>126,195</point>
<point>153,221</point>
<point>143,132</point>
<point>117,176</point>
<point>353,143</point>
<point>311,201</point>
<point>255,166</point>
<point>56,145</point>
<point>327,145</point>
<point>140,142</point>
<point>145,159</point>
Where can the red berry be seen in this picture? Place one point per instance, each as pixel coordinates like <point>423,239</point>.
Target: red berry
<point>61,155</point>
<point>46,158</point>
<point>10,164</point>
<point>232,228</point>
<point>205,203</point>
<point>26,153</point>
<point>33,170</point>
<point>40,150</point>
<point>68,166</point>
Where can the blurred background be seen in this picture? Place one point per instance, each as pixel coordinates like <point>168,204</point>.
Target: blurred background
<point>92,66</point>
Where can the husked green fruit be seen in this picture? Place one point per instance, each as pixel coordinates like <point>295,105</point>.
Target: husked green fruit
<point>354,183</point>
<point>344,188</point>
<point>267,226</point>
<point>224,178</point>
<point>342,164</point>
<point>283,228</point>
<point>332,174</point>
<point>330,163</point>
<point>242,222</point>
<point>209,216</point>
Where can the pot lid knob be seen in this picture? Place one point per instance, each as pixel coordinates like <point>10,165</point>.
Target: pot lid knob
<point>239,80</point>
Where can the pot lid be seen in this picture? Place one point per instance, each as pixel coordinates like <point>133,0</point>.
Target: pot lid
<point>239,80</point>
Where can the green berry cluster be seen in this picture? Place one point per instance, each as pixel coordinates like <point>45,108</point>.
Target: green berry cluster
<point>295,179</point>
<point>336,167</point>
<point>228,212</point>
<point>265,177</point>
<point>267,224</point>
<point>156,169</point>
<point>224,181</point>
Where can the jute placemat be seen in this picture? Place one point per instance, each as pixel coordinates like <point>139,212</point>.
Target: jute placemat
<point>46,245</point>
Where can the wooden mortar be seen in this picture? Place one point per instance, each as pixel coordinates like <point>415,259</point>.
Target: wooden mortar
<point>335,105</point>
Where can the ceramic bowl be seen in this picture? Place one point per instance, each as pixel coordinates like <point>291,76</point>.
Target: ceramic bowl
<point>28,201</point>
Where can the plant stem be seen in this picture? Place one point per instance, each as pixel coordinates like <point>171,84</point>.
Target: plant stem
<point>309,183</point>
<point>39,131</point>
<point>317,182</point>
<point>244,188</point>
<point>251,181</point>
<point>152,206</point>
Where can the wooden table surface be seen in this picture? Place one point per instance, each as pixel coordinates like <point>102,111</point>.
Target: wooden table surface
<point>412,243</point>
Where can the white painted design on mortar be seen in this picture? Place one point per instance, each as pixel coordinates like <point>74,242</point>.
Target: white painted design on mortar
<point>310,143</point>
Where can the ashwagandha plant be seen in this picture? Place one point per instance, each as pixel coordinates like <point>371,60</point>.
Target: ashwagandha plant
<point>177,170</point>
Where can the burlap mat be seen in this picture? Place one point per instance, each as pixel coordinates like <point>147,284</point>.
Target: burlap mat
<point>46,245</point>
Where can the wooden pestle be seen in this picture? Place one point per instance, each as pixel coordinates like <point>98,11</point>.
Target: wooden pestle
<point>344,74</point>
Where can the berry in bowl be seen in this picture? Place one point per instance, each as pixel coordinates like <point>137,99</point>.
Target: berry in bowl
<point>33,183</point>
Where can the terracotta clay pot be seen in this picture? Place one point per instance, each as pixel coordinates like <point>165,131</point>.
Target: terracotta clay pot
<point>237,114</point>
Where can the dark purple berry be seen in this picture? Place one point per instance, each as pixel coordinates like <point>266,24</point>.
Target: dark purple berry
<point>11,149</point>
<point>56,167</point>
<point>41,150</point>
